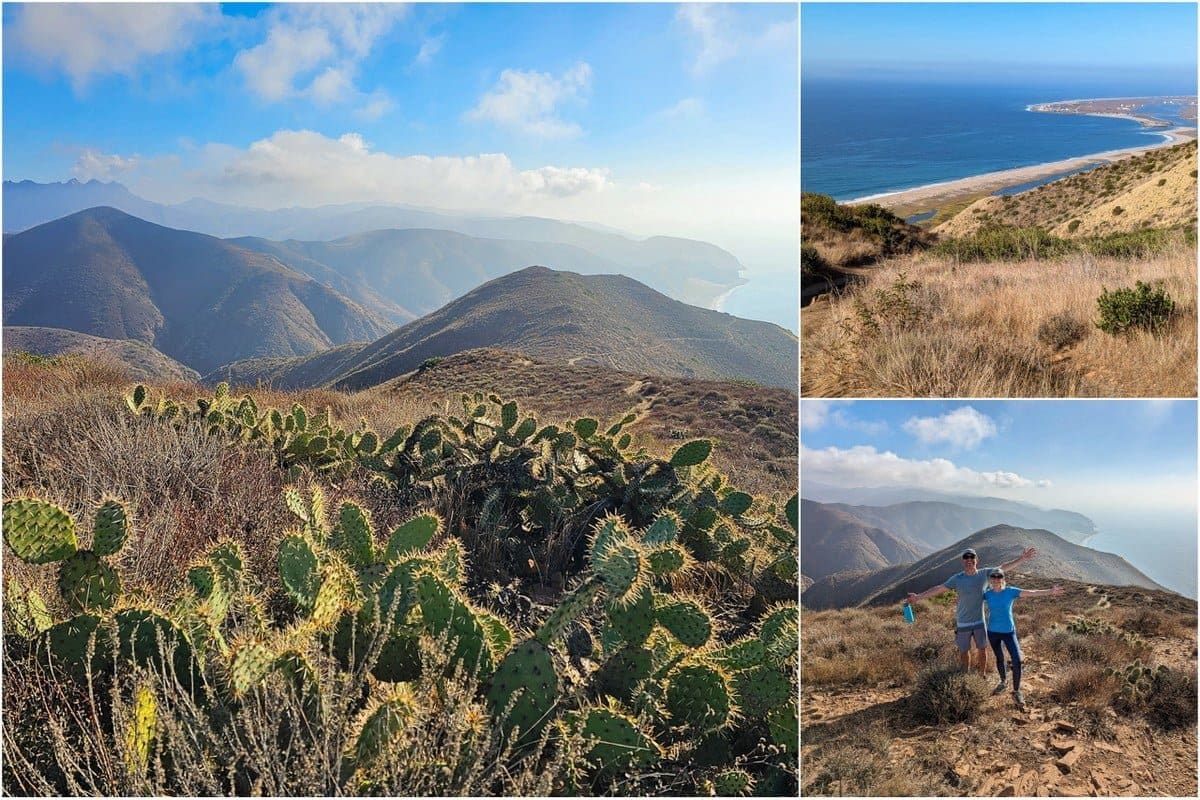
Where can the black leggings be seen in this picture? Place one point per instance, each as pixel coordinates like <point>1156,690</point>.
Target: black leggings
<point>1014,653</point>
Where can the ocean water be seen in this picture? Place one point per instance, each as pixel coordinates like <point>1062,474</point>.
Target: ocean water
<point>770,295</point>
<point>860,138</point>
<point>1160,544</point>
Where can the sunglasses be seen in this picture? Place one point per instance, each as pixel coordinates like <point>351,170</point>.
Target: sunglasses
<point>968,558</point>
<point>996,577</point>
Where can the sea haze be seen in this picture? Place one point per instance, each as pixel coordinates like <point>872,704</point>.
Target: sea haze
<point>1159,543</point>
<point>860,138</point>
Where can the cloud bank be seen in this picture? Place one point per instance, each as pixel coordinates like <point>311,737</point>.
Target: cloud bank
<point>527,102</point>
<point>864,466</point>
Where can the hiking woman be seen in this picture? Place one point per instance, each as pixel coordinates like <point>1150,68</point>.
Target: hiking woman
<point>1002,629</point>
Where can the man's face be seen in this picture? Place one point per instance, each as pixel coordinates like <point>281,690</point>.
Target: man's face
<point>969,565</point>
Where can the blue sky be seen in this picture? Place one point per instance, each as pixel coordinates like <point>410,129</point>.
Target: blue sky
<point>1002,41</point>
<point>1092,456</point>
<point>654,118</point>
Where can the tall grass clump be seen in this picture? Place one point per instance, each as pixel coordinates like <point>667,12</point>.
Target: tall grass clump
<point>946,695</point>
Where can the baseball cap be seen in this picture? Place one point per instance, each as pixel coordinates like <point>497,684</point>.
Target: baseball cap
<point>969,552</point>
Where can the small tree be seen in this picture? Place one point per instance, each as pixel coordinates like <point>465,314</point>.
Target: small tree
<point>1144,307</point>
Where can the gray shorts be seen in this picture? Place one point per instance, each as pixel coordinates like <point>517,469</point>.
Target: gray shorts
<point>963,637</point>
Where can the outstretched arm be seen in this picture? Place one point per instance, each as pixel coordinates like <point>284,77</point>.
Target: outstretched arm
<point>1057,590</point>
<point>930,592</point>
<point>1028,554</point>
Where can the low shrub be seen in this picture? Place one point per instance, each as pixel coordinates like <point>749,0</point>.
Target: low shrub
<point>811,262</point>
<point>1061,330</point>
<point>1073,225</point>
<point>1117,211</point>
<point>1132,244</point>
<point>1145,307</point>
<point>1086,683</point>
<point>947,695</point>
<point>1162,181</point>
<point>1145,621</point>
<point>1172,700</point>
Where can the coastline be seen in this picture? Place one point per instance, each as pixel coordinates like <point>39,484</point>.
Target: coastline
<point>948,191</point>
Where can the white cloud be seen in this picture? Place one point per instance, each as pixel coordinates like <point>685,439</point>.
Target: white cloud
<point>816,414</point>
<point>430,47</point>
<point>86,40</point>
<point>719,35</point>
<point>94,164</point>
<point>963,428</point>
<point>527,101</point>
<point>377,105</point>
<point>313,50</point>
<point>865,466</point>
<point>687,108</point>
<point>1157,412</point>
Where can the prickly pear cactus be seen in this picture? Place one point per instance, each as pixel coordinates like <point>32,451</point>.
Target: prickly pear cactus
<point>111,528</point>
<point>140,732</point>
<point>616,742</point>
<point>526,686</point>
<point>699,697</point>
<point>39,531</point>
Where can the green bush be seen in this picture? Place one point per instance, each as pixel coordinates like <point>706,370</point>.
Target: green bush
<point>1005,243</point>
<point>1143,307</point>
<point>947,695</point>
<point>1131,244</point>
<point>1162,181</point>
<point>1074,225</point>
<point>811,261</point>
<point>1118,211</point>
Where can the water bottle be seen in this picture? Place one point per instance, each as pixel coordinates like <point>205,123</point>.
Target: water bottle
<point>908,613</point>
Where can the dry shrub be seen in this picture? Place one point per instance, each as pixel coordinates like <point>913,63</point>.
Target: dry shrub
<point>1145,622</point>
<point>1105,648</point>
<point>946,695</point>
<point>1172,700</point>
<point>1061,330</point>
<point>1085,684</point>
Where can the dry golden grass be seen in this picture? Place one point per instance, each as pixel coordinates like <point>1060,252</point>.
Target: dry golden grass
<point>971,330</point>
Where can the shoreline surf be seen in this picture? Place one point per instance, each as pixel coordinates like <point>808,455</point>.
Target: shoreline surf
<point>999,179</point>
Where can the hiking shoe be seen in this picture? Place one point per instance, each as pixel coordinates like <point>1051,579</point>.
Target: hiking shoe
<point>1019,699</point>
<point>1000,687</point>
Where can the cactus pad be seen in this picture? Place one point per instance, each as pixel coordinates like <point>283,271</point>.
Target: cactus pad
<point>414,535</point>
<point>301,678</point>
<point>380,726</point>
<point>567,611</point>
<point>736,503</point>
<point>616,742</point>
<point>687,621</point>
<point>399,659</point>
<point>662,531</point>
<point>228,562</point>
<point>620,674</point>
<point>740,655</point>
<point>38,531</point>
<point>526,674</point>
<point>733,783</point>
<point>140,733</point>
<point>111,528</point>
<point>298,570</point>
<point>87,583</point>
<point>68,644</point>
<point>248,667</point>
<point>145,637</point>
<point>693,453</point>
<point>586,427</point>
<point>354,537</point>
<point>791,511</point>
<point>698,696</point>
<point>634,621</point>
<point>338,592</point>
<point>666,559</point>
<point>761,689</point>
<point>784,724</point>
<point>779,631</point>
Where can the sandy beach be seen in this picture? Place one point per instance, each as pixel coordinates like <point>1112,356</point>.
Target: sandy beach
<point>924,198</point>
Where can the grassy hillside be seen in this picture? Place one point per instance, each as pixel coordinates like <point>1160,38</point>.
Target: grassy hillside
<point>1009,314</point>
<point>606,321</point>
<point>197,299</point>
<point>1154,190</point>
<point>884,712</point>
<point>351,615</point>
<point>139,360</point>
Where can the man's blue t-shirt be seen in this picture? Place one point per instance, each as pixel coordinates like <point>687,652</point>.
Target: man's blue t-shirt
<point>970,597</point>
<point>1000,607</point>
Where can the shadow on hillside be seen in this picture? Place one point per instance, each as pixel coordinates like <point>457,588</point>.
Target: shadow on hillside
<point>888,713</point>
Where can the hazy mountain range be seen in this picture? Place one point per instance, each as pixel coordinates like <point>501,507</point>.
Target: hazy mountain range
<point>688,270</point>
<point>1056,558</point>
<point>559,317</point>
<point>198,299</point>
<point>925,521</point>
<point>240,312</point>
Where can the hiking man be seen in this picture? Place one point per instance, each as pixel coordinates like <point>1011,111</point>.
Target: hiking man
<point>968,616</point>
